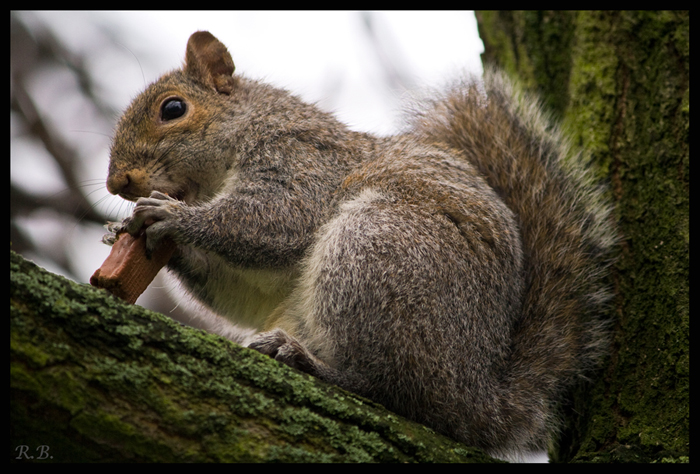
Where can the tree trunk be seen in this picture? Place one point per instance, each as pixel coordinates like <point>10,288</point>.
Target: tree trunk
<point>95,379</point>
<point>620,81</point>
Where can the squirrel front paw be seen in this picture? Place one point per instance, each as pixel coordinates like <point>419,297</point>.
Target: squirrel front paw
<point>158,213</point>
<point>282,347</point>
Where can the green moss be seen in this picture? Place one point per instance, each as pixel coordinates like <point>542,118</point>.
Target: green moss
<point>593,90</point>
<point>535,46</point>
<point>629,89</point>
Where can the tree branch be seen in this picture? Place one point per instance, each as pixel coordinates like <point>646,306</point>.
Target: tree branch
<point>94,379</point>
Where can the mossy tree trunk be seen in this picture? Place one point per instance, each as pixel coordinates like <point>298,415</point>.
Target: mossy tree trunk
<point>620,81</point>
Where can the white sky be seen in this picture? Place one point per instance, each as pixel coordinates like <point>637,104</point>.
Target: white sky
<point>310,53</point>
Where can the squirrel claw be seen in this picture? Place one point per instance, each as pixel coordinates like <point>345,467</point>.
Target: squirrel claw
<point>284,348</point>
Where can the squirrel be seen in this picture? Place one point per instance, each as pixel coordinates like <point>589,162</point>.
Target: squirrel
<point>454,273</point>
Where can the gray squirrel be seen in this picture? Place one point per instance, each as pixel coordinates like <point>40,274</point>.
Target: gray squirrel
<point>454,273</point>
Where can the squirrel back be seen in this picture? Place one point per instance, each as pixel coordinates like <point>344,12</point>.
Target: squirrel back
<point>454,273</point>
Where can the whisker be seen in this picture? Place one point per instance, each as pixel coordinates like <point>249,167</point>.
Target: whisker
<point>137,60</point>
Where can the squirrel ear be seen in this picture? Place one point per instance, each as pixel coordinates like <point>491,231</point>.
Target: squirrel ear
<point>208,61</point>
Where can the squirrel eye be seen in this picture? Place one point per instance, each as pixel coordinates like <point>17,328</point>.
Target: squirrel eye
<point>172,109</point>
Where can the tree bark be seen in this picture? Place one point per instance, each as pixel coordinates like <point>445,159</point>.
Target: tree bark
<point>95,379</point>
<point>620,81</point>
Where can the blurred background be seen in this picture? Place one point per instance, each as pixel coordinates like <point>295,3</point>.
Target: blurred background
<point>72,73</point>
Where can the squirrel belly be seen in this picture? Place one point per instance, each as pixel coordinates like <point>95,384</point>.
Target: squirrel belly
<point>454,273</point>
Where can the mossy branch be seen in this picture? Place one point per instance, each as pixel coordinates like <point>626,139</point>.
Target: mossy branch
<point>94,379</point>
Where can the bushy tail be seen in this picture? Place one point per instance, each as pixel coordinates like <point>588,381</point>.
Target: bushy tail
<point>566,232</point>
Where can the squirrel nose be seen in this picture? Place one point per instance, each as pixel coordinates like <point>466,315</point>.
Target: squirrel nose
<point>117,183</point>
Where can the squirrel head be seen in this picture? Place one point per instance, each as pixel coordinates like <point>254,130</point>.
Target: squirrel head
<point>175,126</point>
